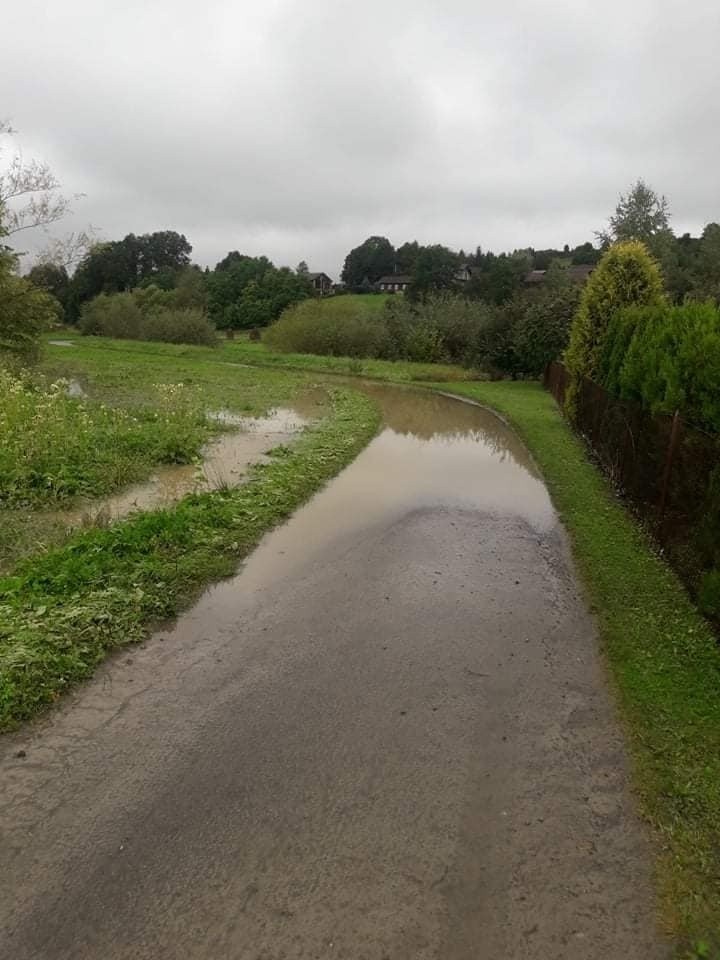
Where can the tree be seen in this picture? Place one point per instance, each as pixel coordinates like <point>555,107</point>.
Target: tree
<point>406,256</point>
<point>52,279</point>
<point>371,260</point>
<point>626,276</point>
<point>499,277</point>
<point>29,192</point>
<point>302,267</point>
<point>245,292</point>
<point>585,253</point>
<point>120,265</point>
<point>435,269</point>
<point>25,312</point>
<point>641,215</point>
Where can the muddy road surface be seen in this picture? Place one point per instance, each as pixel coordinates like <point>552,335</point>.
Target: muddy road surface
<point>389,737</point>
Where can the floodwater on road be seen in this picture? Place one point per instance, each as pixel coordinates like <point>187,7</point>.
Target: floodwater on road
<point>388,736</point>
<point>432,450</point>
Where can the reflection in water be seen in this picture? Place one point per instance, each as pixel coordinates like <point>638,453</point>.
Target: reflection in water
<point>434,453</point>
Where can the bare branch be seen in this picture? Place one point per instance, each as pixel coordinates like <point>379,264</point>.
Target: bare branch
<point>37,188</point>
<point>69,250</point>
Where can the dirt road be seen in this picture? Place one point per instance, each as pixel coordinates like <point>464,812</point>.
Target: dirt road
<point>390,736</point>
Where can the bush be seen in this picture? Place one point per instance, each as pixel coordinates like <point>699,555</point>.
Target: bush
<point>112,315</point>
<point>25,312</point>
<point>626,276</point>
<point>179,326</point>
<point>667,358</point>
<point>336,328</point>
<point>541,331</point>
<point>144,315</point>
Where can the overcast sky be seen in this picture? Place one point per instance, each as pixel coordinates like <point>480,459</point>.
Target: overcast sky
<point>297,129</point>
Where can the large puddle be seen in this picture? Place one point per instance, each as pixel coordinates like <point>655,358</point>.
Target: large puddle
<point>432,452</point>
<point>225,462</point>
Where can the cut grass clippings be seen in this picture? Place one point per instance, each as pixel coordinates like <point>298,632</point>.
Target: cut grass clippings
<point>662,653</point>
<point>63,611</point>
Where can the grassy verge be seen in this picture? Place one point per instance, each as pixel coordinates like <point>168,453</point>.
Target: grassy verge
<point>89,358</point>
<point>63,611</point>
<point>663,655</point>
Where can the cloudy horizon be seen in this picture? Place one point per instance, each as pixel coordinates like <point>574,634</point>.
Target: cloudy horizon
<point>297,130</point>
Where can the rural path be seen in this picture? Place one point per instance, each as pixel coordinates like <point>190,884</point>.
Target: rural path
<point>389,736</point>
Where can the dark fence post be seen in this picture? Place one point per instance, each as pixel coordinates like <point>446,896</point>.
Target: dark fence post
<point>670,456</point>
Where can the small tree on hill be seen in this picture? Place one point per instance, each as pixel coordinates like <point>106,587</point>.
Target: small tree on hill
<point>626,276</point>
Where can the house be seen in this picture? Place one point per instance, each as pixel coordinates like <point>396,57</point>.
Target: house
<point>576,273</point>
<point>466,272</point>
<point>322,284</point>
<point>394,283</point>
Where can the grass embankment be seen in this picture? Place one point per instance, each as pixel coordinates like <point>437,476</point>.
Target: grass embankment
<point>663,656</point>
<point>63,611</point>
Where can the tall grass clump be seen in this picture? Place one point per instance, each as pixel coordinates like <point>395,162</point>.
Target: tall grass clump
<point>56,447</point>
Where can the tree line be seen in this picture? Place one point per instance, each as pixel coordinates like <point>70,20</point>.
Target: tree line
<point>690,265</point>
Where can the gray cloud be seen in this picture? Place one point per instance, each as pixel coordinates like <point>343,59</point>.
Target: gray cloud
<point>297,129</point>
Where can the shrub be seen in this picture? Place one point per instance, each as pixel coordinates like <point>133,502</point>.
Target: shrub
<point>112,315</point>
<point>152,299</point>
<point>626,276</point>
<point>144,315</point>
<point>179,326</point>
<point>337,328</point>
<point>667,358</point>
<point>25,312</point>
<point>541,330</point>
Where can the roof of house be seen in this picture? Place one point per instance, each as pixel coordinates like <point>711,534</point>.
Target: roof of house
<point>316,276</point>
<point>577,273</point>
<point>580,271</point>
<point>395,278</point>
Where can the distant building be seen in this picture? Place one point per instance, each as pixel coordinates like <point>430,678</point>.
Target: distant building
<point>466,272</point>
<point>394,283</point>
<point>577,273</point>
<point>322,284</point>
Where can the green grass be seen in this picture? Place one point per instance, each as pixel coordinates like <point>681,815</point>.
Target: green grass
<point>63,611</point>
<point>397,371</point>
<point>55,447</point>
<point>118,369</point>
<point>368,301</point>
<point>664,659</point>
<point>125,371</point>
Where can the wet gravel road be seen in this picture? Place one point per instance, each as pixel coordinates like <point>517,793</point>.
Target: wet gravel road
<point>390,737</point>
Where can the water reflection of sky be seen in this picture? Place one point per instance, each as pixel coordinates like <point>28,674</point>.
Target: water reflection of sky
<point>434,452</point>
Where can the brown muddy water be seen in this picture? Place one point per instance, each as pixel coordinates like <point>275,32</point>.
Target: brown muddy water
<point>433,451</point>
<point>225,462</point>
